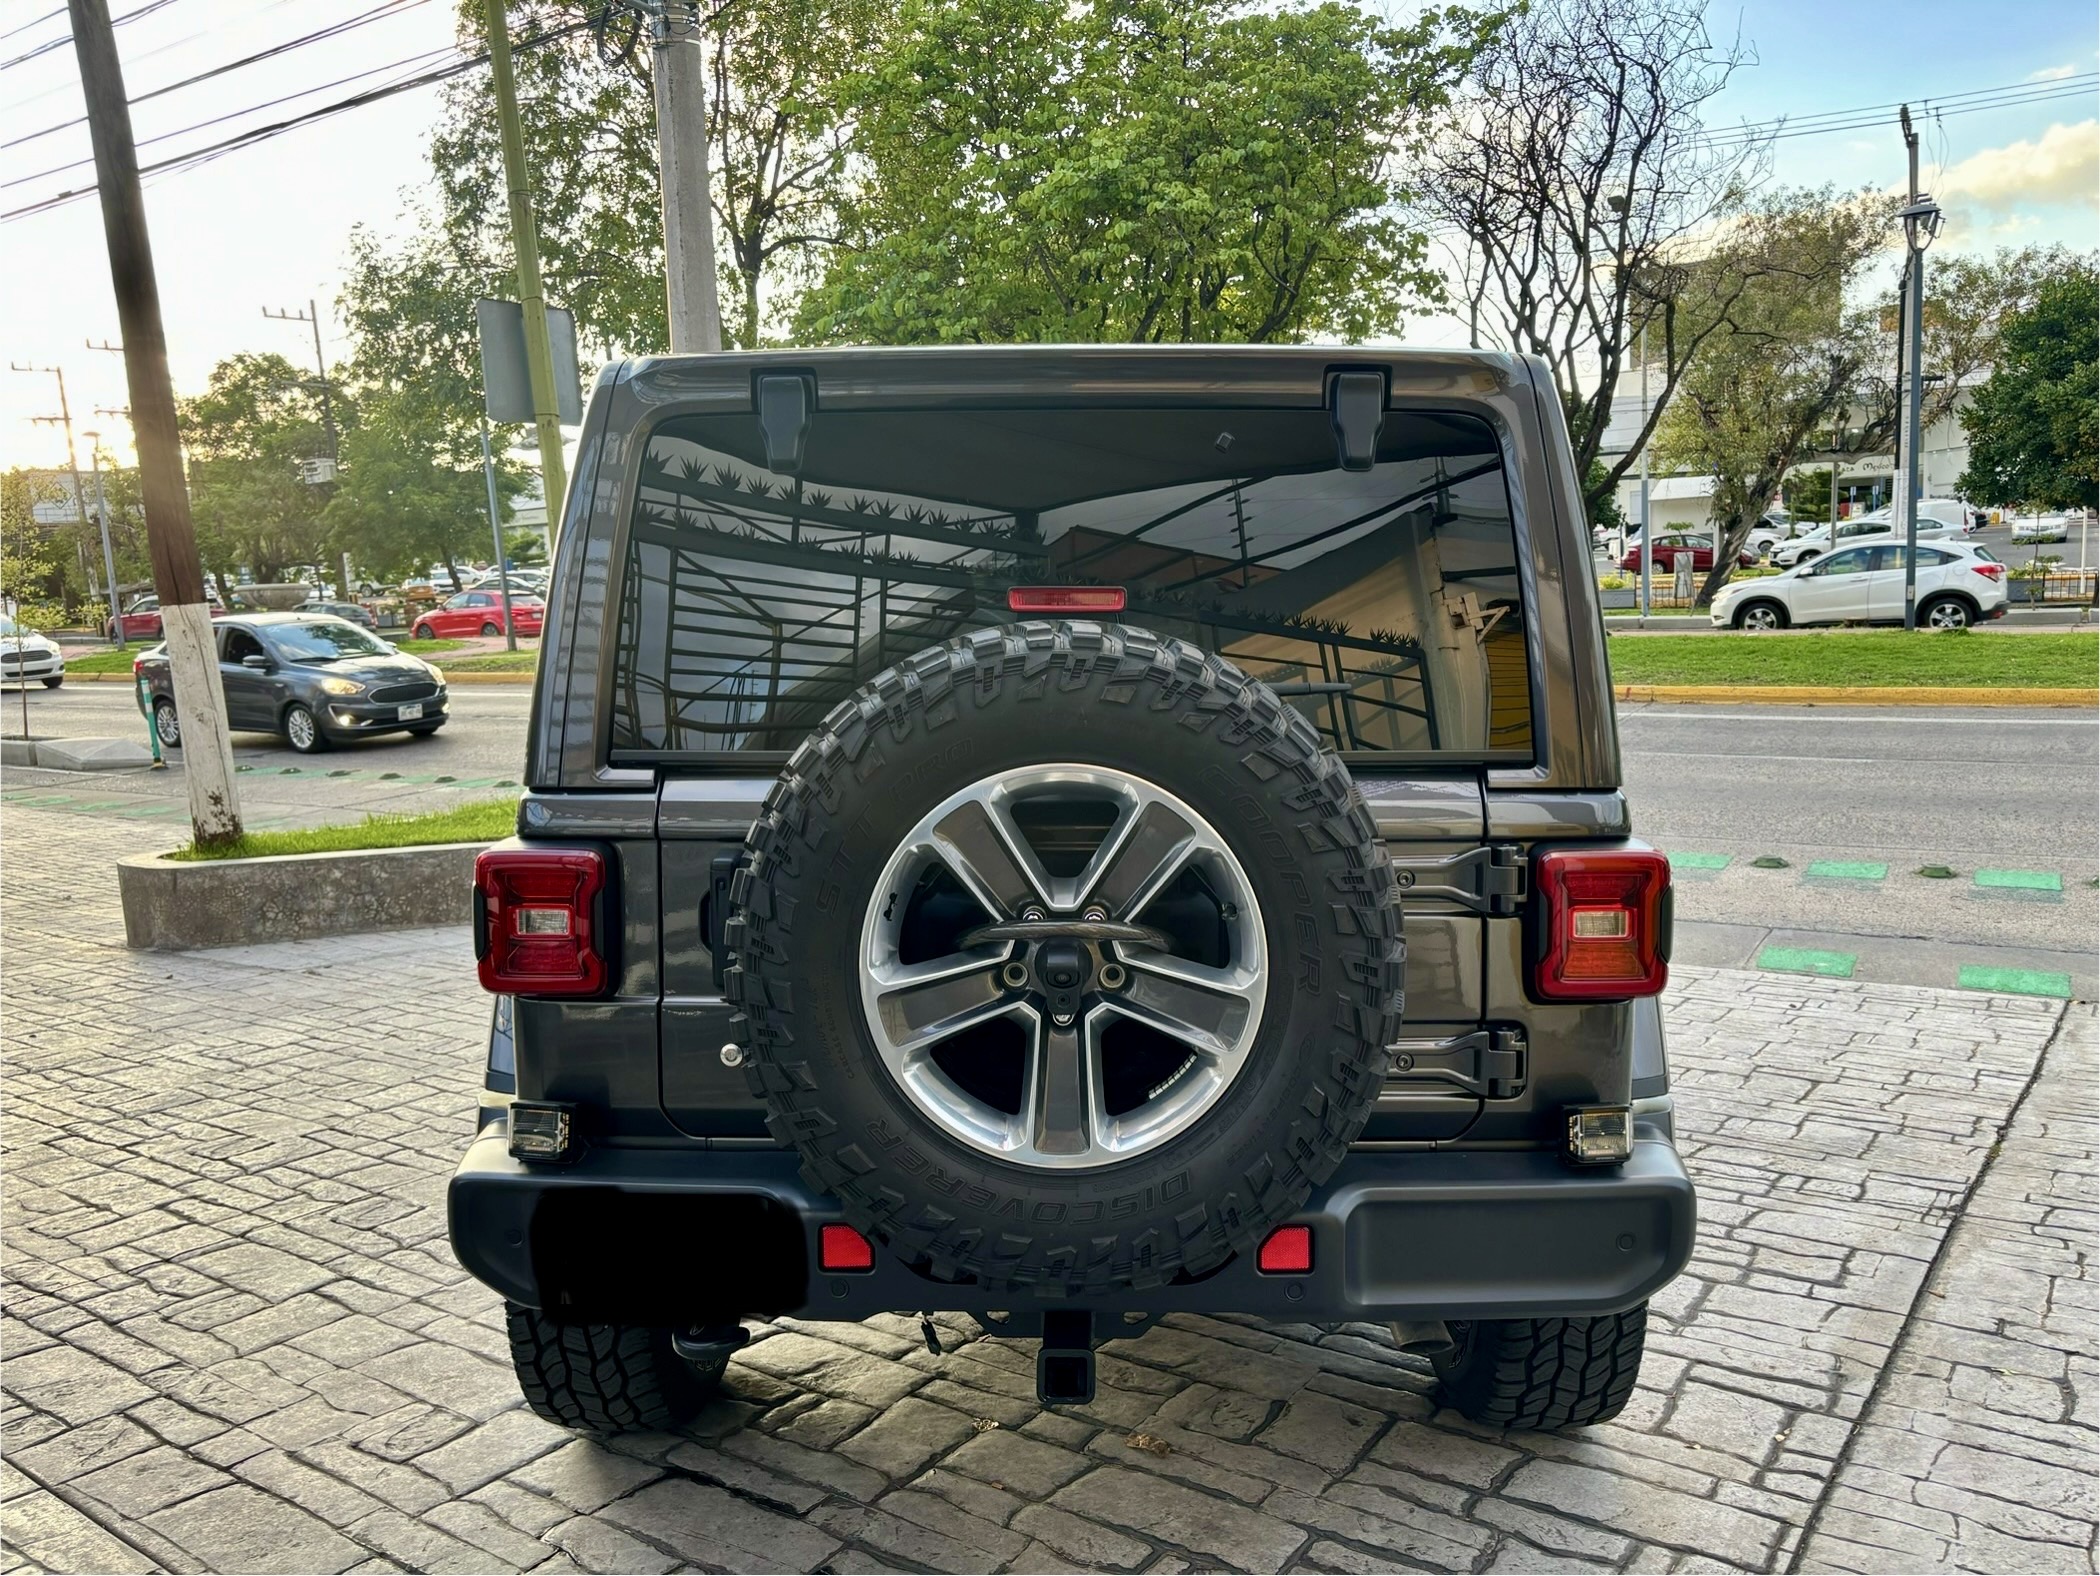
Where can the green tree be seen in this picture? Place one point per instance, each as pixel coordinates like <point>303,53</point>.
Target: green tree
<point>1784,363</point>
<point>246,436</point>
<point>31,580</point>
<point>2032,424</point>
<point>1148,170</point>
<point>778,130</point>
<point>401,502</point>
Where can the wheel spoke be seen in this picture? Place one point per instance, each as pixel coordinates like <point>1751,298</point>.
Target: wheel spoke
<point>925,1003</point>
<point>1144,854</point>
<point>1060,1119</point>
<point>1209,1009</point>
<point>997,867</point>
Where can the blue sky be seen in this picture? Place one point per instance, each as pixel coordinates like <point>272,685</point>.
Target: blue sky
<point>268,226</point>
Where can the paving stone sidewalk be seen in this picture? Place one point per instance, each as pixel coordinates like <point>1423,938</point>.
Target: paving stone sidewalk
<point>234,1337</point>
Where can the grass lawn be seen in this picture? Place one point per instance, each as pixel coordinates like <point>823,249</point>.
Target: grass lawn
<point>480,822</point>
<point>120,661</point>
<point>1878,657</point>
<point>498,662</point>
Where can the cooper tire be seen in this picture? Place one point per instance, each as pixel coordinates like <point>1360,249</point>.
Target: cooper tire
<point>604,1378</point>
<point>1089,696</point>
<point>1543,1373</point>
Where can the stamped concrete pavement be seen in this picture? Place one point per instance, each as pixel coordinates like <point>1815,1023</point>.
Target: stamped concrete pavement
<point>235,1338</point>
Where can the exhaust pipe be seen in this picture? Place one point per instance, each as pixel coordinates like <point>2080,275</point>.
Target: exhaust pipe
<point>1423,1338</point>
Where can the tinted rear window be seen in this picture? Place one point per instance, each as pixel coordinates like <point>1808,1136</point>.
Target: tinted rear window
<point>1384,603</point>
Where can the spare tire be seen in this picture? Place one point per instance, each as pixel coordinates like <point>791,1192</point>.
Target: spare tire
<point>1066,956</point>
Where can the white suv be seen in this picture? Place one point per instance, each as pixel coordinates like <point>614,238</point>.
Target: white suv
<point>1959,584</point>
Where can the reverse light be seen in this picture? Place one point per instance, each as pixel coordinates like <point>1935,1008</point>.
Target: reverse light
<point>1605,924</point>
<point>537,924</point>
<point>1598,1135</point>
<point>541,1132</point>
<point>1067,599</point>
<point>1286,1251</point>
<point>842,1250</point>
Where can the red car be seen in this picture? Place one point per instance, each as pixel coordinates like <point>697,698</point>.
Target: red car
<point>1668,549</point>
<point>478,613</point>
<point>141,620</point>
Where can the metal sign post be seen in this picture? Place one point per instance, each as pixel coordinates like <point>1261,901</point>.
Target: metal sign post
<point>488,474</point>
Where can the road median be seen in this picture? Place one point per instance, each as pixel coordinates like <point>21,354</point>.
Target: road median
<point>1856,695</point>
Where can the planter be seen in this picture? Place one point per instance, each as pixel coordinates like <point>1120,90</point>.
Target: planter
<point>175,905</point>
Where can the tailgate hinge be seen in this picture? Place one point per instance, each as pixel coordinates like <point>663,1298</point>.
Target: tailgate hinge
<point>1488,880</point>
<point>1488,1063</point>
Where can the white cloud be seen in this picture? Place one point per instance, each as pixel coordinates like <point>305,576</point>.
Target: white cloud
<point>2052,73</point>
<point>2060,166</point>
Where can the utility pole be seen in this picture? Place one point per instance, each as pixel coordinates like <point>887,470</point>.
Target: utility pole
<point>215,815</point>
<point>109,558</point>
<point>1647,536</point>
<point>326,385</point>
<point>539,347</point>
<point>1921,222</point>
<point>64,419</point>
<point>681,154</point>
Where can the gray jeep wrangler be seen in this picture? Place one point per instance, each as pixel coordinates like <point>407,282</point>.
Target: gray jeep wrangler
<point>1067,836</point>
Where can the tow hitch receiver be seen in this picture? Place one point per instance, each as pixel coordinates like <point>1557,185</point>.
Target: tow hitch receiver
<point>1064,1368</point>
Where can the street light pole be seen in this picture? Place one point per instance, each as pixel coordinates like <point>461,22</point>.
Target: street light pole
<point>1647,534</point>
<point>532,295</point>
<point>109,558</point>
<point>1921,222</point>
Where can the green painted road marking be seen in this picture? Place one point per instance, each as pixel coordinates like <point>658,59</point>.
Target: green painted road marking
<point>1936,872</point>
<point>149,809</point>
<point>1846,870</point>
<point>2021,881</point>
<point>1806,960</point>
<point>2015,982</point>
<point>1699,861</point>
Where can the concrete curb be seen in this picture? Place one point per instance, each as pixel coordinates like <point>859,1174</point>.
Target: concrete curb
<point>173,905</point>
<point>76,755</point>
<point>1856,695</point>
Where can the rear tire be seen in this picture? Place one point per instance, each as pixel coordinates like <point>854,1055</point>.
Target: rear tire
<point>1543,1374</point>
<point>1945,612</point>
<point>604,1378</point>
<point>490,627</point>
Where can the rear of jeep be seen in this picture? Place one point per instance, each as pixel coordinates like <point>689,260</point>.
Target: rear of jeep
<point>1068,836</point>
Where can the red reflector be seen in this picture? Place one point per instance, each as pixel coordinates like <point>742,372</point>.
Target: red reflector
<point>536,924</point>
<point>1067,599</point>
<point>843,1248</point>
<point>1605,916</point>
<point>1288,1251</point>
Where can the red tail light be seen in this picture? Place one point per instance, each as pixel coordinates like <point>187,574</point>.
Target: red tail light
<point>538,925</point>
<point>842,1249</point>
<point>1067,599</point>
<point>1606,922</point>
<point>1988,571</point>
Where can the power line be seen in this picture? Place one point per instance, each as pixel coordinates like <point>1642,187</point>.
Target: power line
<point>147,9</point>
<point>204,155</point>
<point>39,22</point>
<point>1868,116</point>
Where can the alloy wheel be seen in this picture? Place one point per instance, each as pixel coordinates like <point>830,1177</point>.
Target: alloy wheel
<point>1063,966</point>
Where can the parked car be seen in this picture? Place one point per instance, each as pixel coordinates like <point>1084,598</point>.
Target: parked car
<point>26,655</point>
<point>1018,933</point>
<point>141,620</point>
<point>349,612</point>
<point>1668,549</point>
<point>2042,528</point>
<point>314,680</point>
<point>478,613</point>
<point>1959,584</point>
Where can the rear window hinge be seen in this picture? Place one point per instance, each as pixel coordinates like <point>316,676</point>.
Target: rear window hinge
<point>1488,1063</point>
<point>1488,880</point>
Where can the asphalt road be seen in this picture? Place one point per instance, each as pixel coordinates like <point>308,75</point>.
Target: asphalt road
<point>1836,793</point>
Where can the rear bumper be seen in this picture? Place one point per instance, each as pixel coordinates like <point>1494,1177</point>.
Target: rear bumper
<point>671,1237</point>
